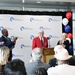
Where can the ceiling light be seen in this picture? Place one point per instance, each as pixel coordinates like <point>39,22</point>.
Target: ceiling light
<point>23,8</point>
<point>38,2</point>
<point>23,1</point>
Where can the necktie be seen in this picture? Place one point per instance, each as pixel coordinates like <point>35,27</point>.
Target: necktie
<point>42,41</point>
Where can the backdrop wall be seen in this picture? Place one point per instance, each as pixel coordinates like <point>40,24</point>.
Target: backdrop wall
<point>25,26</point>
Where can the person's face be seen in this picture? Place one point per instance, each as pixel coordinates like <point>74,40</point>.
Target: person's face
<point>41,34</point>
<point>5,33</point>
<point>63,36</point>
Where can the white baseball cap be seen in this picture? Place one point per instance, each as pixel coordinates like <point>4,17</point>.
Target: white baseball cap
<point>62,54</point>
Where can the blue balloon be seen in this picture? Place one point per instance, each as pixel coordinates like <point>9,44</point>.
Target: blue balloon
<point>67,28</point>
<point>70,48</point>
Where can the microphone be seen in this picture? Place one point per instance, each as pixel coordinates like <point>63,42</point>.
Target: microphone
<point>48,38</point>
<point>49,42</point>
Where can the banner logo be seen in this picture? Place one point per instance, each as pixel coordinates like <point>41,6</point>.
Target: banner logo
<point>13,55</point>
<point>11,18</point>
<point>1,28</point>
<point>11,37</point>
<point>25,28</point>
<point>50,36</point>
<point>17,55</point>
<point>41,27</point>
<point>50,19</point>
<point>31,37</point>
<point>34,19</point>
<point>22,46</point>
<point>45,28</point>
<point>31,19</point>
<point>22,28</point>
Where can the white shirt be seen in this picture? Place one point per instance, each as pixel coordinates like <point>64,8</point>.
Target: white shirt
<point>42,39</point>
<point>62,70</point>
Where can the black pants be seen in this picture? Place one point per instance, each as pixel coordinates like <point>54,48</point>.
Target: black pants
<point>10,57</point>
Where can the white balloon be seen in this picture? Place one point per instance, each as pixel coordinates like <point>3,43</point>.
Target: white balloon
<point>65,21</point>
<point>68,40</point>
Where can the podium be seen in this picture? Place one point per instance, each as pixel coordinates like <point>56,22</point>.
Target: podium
<point>48,53</point>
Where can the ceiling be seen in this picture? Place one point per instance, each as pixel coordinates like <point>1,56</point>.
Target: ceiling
<point>49,4</point>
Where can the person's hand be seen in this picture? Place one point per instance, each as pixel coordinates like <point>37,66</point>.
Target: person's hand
<point>61,42</point>
<point>1,43</point>
<point>14,39</point>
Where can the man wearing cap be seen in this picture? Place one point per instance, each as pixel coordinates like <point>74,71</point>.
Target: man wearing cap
<point>63,67</point>
<point>53,61</point>
<point>40,41</point>
<point>36,63</point>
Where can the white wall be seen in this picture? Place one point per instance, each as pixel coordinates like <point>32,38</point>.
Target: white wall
<point>74,32</point>
<point>59,0</point>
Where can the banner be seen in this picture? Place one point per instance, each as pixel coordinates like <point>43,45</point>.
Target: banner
<point>26,27</point>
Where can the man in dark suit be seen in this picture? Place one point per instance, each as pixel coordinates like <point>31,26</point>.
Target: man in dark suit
<point>36,62</point>
<point>40,41</point>
<point>7,41</point>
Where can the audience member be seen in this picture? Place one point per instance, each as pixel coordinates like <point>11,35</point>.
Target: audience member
<point>63,67</point>
<point>53,61</point>
<point>40,41</point>
<point>15,67</point>
<point>41,71</point>
<point>7,41</point>
<point>64,42</point>
<point>4,55</point>
<point>72,60</point>
<point>36,63</point>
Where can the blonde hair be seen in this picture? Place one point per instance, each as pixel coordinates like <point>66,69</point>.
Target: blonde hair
<point>4,52</point>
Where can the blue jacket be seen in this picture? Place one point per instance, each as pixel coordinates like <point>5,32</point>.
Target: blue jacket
<point>7,42</point>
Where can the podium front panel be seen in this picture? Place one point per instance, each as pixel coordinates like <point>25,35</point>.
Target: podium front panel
<point>48,53</point>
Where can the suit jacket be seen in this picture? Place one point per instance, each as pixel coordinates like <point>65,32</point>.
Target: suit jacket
<point>7,42</point>
<point>63,69</point>
<point>72,60</point>
<point>33,66</point>
<point>37,43</point>
<point>53,62</point>
<point>66,44</point>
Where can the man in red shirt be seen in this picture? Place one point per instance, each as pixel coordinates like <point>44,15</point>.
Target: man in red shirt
<point>40,41</point>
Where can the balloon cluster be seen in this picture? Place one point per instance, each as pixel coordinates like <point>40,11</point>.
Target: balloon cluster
<point>67,29</point>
